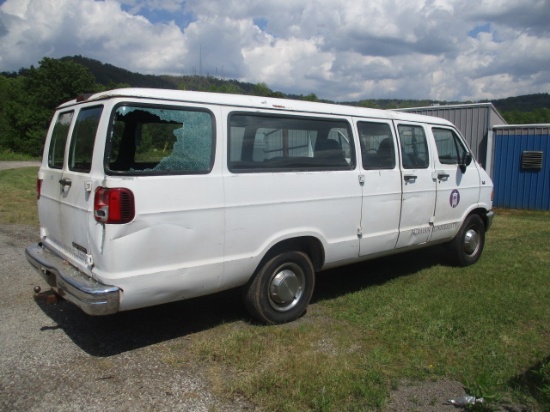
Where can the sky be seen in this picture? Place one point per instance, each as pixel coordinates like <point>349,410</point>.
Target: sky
<point>341,50</point>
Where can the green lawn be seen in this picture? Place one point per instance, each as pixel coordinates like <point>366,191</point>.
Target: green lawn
<point>9,155</point>
<point>410,316</point>
<point>371,325</point>
<point>18,199</point>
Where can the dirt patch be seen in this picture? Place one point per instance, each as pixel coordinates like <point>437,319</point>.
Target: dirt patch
<point>434,396</point>
<point>425,396</point>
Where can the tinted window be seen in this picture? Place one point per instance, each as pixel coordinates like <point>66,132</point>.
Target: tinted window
<point>414,147</point>
<point>377,146</point>
<point>83,138</point>
<point>160,140</point>
<point>270,143</point>
<point>60,132</point>
<point>450,148</point>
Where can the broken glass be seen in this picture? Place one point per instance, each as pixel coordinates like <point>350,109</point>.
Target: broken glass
<point>161,140</point>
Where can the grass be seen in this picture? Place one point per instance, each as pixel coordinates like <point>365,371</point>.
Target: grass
<point>18,201</point>
<point>408,317</point>
<point>374,324</point>
<point>9,155</point>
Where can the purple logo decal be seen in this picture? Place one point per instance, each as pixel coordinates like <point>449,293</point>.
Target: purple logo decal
<point>454,199</point>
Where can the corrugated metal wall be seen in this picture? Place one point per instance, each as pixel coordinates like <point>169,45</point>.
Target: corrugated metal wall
<point>518,187</point>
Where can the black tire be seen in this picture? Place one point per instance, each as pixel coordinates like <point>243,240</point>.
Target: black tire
<point>467,246</point>
<point>281,289</point>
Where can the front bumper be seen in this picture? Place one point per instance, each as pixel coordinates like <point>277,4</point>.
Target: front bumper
<point>489,219</point>
<point>92,297</point>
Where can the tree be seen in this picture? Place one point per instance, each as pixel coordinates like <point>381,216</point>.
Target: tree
<point>57,81</point>
<point>535,116</point>
<point>312,97</point>
<point>14,114</point>
<point>5,127</point>
<point>261,89</point>
<point>230,88</point>
<point>31,98</point>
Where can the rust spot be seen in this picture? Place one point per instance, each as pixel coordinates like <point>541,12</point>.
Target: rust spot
<point>49,297</point>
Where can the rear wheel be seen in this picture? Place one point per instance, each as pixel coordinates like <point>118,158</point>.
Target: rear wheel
<point>281,289</point>
<point>467,246</point>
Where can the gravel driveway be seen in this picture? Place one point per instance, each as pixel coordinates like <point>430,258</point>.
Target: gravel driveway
<point>53,357</point>
<point>17,164</point>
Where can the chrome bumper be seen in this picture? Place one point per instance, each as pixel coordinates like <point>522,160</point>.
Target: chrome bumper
<point>92,297</point>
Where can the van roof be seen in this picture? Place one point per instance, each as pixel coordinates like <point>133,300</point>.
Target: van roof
<point>254,102</point>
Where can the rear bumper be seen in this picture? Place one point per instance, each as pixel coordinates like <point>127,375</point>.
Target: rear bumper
<point>92,297</point>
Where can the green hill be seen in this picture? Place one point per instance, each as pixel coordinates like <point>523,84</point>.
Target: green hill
<point>110,76</point>
<point>107,74</point>
<point>29,96</point>
<point>526,103</point>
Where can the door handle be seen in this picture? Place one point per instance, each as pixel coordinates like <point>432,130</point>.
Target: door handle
<point>65,182</point>
<point>409,178</point>
<point>442,176</point>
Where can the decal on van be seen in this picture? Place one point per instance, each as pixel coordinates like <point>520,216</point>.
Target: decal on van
<point>446,226</point>
<point>421,231</point>
<point>454,199</point>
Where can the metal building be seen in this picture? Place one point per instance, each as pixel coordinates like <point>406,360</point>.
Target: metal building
<point>521,167</point>
<point>475,122</point>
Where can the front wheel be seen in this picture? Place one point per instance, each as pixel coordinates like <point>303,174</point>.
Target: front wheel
<point>468,244</point>
<point>281,289</point>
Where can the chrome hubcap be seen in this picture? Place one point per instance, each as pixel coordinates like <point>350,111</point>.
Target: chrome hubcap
<point>471,242</point>
<point>285,289</point>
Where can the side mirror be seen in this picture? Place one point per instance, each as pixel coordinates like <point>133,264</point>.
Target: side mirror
<point>466,160</point>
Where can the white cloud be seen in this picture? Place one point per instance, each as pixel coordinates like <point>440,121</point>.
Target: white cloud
<point>101,30</point>
<point>292,63</point>
<point>337,49</point>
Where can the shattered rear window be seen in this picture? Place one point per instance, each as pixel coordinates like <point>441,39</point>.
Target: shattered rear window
<point>160,140</point>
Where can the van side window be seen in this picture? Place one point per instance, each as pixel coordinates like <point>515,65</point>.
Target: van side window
<point>60,133</point>
<point>83,138</point>
<point>450,149</point>
<point>414,147</point>
<point>160,140</point>
<point>283,143</point>
<point>377,146</point>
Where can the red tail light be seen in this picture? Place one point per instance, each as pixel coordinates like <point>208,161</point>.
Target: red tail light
<point>38,188</point>
<point>114,205</point>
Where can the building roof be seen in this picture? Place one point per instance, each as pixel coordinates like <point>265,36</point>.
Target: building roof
<point>495,116</point>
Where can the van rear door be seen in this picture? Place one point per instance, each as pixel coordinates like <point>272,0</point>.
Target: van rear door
<point>66,200</point>
<point>51,172</point>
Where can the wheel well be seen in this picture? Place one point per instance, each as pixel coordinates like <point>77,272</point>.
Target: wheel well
<point>482,213</point>
<point>309,245</point>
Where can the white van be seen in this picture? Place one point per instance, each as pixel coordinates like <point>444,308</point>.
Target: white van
<point>153,196</point>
